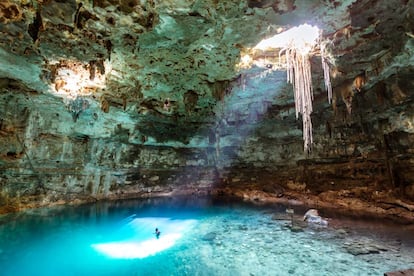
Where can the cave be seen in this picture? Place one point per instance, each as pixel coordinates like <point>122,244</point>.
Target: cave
<point>307,104</point>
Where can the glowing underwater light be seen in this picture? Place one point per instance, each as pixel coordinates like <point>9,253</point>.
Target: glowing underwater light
<point>140,240</point>
<point>137,249</point>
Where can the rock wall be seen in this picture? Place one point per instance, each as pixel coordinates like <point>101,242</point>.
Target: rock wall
<point>118,99</point>
<point>254,145</point>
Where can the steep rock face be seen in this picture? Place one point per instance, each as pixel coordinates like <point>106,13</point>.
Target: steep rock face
<point>116,99</point>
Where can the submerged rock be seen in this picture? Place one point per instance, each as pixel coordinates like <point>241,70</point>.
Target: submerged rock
<point>296,228</point>
<point>363,247</point>
<point>400,273</point>
<point>209,236</point>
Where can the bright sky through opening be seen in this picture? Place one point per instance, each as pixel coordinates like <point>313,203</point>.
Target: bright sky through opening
<point>303,38</point>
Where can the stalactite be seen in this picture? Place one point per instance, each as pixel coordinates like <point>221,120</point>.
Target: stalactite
<point>297,44</point>
<point>299,75</point>
<point>326,73</point>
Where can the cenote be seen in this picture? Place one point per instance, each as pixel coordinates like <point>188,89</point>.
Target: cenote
<point>134,104</point>
<point>199,236</point>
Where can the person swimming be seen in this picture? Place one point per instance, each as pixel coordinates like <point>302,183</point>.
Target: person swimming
<point>157,233</point>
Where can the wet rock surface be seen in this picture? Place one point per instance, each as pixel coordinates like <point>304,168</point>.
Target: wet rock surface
<point>160,104</point>
<point>400,272</point>
<point>361,247</point>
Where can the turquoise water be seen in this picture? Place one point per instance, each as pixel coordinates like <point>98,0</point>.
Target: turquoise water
<point>198,237</point>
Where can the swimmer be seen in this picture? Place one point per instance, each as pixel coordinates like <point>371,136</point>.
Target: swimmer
<point>157,233</point>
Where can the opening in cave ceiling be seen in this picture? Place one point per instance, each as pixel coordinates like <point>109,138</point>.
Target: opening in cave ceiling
<point>298,45</point>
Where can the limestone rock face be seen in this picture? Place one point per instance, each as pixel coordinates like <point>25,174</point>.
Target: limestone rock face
<point>129,98</point>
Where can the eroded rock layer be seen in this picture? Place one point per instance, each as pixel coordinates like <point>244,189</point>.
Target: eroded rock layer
<point>117,99</point>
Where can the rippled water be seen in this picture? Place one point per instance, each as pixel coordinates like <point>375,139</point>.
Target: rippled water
<point>198,237</point>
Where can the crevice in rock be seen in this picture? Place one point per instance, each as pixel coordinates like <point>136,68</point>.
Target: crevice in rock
<point>35,27</point>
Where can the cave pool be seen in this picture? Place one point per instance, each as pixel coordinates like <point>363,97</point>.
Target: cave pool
<point>199,236</point>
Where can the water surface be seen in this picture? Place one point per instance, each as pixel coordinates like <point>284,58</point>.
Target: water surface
<point>199,236</point>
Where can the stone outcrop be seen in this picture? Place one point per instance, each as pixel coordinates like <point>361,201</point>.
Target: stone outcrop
<point>400,272</point>
<point>118,99</point>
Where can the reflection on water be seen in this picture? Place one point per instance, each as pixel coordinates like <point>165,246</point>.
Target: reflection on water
<point>139,239</point>
<point>198,237</point>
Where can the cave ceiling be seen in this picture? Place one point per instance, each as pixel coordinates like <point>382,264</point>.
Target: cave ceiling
<point>160,70</point>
